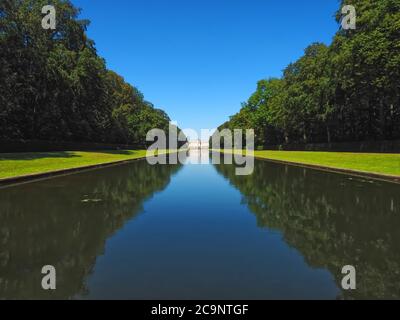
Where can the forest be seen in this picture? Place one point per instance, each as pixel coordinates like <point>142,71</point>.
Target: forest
<point>347,91</point>
<point>55,87</point>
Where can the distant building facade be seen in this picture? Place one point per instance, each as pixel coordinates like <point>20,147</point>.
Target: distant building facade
<point>198,144</point>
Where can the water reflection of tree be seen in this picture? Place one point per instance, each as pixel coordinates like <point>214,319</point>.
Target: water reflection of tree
<point>333,220</point>
<point>65,222</point>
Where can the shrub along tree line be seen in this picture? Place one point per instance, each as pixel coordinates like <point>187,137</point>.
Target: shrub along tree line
<point>54,86</point>
<point>347,91</point>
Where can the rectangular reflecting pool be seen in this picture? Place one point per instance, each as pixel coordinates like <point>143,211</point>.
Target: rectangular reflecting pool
<point>192,231</point>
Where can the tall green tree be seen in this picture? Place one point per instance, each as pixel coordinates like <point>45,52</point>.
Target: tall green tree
<point>347,91</point>
<point>54,86</point>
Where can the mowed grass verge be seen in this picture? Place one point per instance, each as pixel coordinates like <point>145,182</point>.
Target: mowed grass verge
<point>376,163</point>
<point>21,164</point>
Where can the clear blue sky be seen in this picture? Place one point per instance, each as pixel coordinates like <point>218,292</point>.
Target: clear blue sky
<point>199,59</point>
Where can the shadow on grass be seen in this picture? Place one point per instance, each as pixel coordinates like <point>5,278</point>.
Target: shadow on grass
<point>37,155</point>
<point>121,152</point>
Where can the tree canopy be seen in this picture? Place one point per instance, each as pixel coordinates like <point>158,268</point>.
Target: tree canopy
<point>347,91</point>
<point>54,86</point>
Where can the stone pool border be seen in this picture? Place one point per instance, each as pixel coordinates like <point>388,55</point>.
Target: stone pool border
<point>13,181</point>
<point>357,173</point>
<point>8,182</point>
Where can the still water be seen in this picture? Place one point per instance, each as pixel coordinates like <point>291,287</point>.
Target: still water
<point>192,231</point>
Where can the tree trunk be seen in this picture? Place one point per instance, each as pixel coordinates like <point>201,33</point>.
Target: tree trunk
<point>304,134</point>
<point>328,134</point>
<point>382,118</point>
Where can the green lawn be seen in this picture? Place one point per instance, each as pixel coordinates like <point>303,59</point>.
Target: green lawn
<point>20,164</point>
<point>388,164</point>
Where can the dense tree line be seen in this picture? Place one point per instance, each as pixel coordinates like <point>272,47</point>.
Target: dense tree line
<point>347,91</point>
<point>54,86</point>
